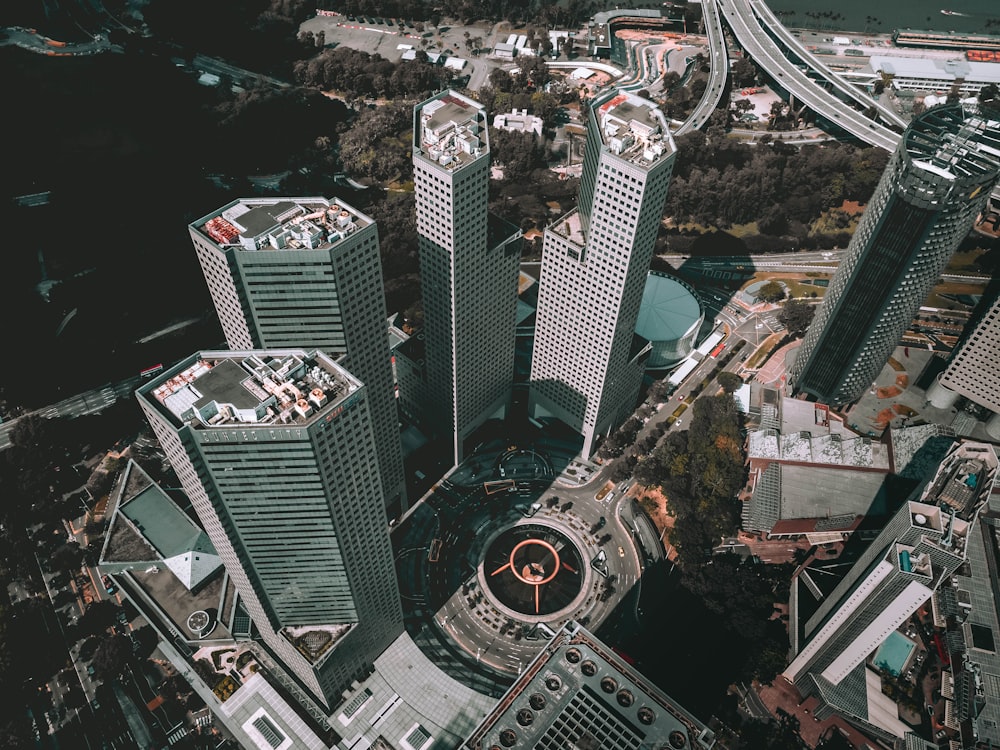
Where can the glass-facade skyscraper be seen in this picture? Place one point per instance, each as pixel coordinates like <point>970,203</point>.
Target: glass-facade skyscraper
<point>306,272</point>
<point>936,184</point>
<point>587,362</point>
<point>276,451</point>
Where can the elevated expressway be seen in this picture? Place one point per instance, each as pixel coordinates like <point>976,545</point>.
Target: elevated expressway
<point>765,52</point>
<point>788,41</point>
<point>719,64</point>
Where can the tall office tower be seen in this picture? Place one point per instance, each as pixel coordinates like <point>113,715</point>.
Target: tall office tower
<point>305,272</point>
<point>586,367</point>
<point>920,548</point>
<point>936,184</point>
<point>974,370</point>
<point>276,451</point>
<point>468,269</point>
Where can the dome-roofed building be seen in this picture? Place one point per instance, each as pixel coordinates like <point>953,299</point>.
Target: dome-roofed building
<point>669,317</point>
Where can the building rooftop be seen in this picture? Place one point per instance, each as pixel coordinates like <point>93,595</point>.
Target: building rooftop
<point>669,308</point>
<point>934,68</point>
<point>450,130</point>
<point>256,224</point>
<point>578,693</point>
<point>953,142</point>
<point>635,129</point>
<point>222,389</point>
<point>408,703</point>
<point>569,226</point>
<point>148,527</point>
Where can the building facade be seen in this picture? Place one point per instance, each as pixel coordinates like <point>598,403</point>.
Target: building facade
<point>587,362</point>
<point>305,273</point>
<point>920,549</point>
<point>468,270</point>
<point>936,184</point>
<point>974,370</point>
<point>277,454</point>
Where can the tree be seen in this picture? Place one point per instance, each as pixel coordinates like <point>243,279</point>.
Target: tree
<point>112,656</point>
<point>98,617</point>
<point>796,315</point>
<point>744,73</point>
<point>729,381</point>
<point>989,97</point>
<point>68,557</point>
<point>772,291</point>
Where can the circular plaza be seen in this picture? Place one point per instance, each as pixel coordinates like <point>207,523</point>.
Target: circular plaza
<point>499,556</point>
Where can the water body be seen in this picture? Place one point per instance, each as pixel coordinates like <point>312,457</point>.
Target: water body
<point>862,16</point>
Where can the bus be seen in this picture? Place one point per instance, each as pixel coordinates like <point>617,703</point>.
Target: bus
<point>151,371</point>
<point>717,350</point>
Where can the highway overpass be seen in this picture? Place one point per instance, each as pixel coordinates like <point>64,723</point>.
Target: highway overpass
<point>719,61</point>
<point>844,88</point>
<point>764,51</point>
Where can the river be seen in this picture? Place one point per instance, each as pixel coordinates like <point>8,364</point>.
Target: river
<point>862,16</point>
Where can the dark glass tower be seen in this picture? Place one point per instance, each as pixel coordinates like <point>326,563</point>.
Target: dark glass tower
<point>276,451</point>
<point>936,184</point>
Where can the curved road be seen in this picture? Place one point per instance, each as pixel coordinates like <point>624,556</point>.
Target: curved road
<point>765,52</point>
<point>719,70</point>
<point>771,23</point>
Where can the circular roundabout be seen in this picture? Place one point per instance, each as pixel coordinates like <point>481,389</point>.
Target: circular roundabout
<point>534,570</point>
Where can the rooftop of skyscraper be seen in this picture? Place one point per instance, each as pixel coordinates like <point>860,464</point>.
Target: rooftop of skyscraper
<point>281,223</point>
<point>953,141</point>
<point>450,130</point>
<point>634,128</point>
<point>577,692</point>
<point>949,503</point>
<point>222,389</point>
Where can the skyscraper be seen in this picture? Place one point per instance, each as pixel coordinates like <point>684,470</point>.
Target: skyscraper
<point>974,370</point>
<point>305,272</point>
<point>936,184</point>
<point>468,269</point>
<point>920,548</point>
<point>587,363</point>
<point>276,452</point>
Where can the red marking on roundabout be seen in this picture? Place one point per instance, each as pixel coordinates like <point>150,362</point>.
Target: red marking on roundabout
<point>532,573</point>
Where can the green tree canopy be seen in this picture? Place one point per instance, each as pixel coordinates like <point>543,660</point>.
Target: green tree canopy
<point>729,381</point>
<point>796,315</point>
<point>772,291</point>
<point>112,656</point>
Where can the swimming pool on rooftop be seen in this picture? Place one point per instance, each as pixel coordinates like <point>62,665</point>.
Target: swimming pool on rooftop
<point>893,653</point>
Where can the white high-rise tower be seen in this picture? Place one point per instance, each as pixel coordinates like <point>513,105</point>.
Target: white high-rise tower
<point>468,269</point>
<point>587,363</point>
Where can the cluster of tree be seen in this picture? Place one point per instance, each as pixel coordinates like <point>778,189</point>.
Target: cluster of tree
<point>700,470</point>
<point>722,182</point>
<point>378,145</point>
<point>772,291</point>
<point>519,153</point>
<point>796,315</point>
<point>522,90</point>
<point>261,35</point>
<point>679,101</point>
<point>571,13</point>
<point>357,74</point>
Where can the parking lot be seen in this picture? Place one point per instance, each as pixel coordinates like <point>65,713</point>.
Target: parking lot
<point>390,41</point>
